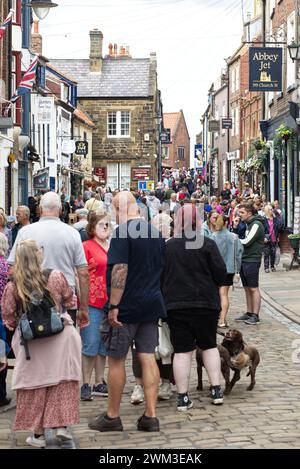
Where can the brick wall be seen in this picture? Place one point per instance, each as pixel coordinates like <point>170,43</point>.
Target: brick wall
<point>181,139</point>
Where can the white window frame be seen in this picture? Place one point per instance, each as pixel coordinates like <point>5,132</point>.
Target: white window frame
<point>14,7</point>
<point>118,175</point>
<point>119,123</point>
<point>165,150</point>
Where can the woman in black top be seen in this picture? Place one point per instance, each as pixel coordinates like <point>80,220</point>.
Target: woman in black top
<point>194,270</point>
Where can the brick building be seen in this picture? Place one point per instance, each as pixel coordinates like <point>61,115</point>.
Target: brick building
<point>121,96</point>
<point>177,153</point>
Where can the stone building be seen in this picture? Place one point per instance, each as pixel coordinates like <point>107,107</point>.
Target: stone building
<point>121,96</point>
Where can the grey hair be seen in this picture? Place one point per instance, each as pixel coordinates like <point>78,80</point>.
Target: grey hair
<point>3,245</point>
<point>50,202</point>
<point>26,210</point>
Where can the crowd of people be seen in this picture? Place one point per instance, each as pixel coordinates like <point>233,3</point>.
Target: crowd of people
<point>132,264</point>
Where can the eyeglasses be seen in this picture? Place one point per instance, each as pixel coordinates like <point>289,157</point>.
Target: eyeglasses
<point>103,225</point>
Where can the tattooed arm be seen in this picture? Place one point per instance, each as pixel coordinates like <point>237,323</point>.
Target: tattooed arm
<point>118,282</point>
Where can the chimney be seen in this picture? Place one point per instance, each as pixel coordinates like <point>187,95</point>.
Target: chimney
<point>96,38</point>
<point>36,39</point>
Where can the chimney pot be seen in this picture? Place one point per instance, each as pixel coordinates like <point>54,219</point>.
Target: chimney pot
<point>36,39</point>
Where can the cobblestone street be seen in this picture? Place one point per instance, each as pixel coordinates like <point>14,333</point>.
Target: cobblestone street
<point>267,417</point>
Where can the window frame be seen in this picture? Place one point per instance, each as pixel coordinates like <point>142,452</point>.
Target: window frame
<point>118,124</point>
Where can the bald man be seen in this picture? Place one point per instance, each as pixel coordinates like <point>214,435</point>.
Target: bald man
<point>135,263</point>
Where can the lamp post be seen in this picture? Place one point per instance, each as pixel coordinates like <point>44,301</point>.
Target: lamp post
<point>293,49</point>
<point>41,7</point>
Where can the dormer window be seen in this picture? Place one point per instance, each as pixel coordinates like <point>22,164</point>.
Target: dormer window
<point>64,96</point>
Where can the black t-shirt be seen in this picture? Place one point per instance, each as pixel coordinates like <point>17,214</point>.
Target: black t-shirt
<point>226,194</point>
<point>139,245</point>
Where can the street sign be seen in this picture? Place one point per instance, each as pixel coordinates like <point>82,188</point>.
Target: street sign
<point>227,123</point>
<point>82,147</point>
<point>165,136</point>
<point>146,185</point>
<point>265,69</point>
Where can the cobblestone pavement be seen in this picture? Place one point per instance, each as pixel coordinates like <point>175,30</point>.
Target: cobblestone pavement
<point>267,417</point>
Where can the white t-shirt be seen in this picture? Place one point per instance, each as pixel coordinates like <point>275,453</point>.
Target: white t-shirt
<point>61,245</point>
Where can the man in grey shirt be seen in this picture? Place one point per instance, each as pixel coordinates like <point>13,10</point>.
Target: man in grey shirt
<point>62,248</point>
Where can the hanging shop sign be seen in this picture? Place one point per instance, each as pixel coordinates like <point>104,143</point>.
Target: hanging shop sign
<point>227,123</point>
<point>82,147</point>
<point>265,69</point>
<point>41,180</point>
<point>43,110</point>
<point>213,126</point>
<point>68,147</point>
<point>165,136</point>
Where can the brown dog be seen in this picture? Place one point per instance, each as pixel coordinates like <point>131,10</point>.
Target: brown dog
<point>241,356</point>
<point>235,355</point>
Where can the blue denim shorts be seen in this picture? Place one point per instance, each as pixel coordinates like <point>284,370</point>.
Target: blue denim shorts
<point>91,339</point>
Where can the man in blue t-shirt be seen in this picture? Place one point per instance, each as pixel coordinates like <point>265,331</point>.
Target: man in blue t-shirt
<point>135,264</point>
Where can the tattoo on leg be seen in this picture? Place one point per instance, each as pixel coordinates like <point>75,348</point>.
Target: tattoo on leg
<point>119,276</point>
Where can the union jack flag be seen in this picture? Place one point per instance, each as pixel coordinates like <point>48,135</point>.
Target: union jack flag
<point>27,81</point>
<point>6,23</point>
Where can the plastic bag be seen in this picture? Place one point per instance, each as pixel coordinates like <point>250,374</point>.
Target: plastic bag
<point>165,348</point>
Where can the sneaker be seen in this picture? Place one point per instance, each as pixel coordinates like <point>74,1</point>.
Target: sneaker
<point>216,395</point>
<point>63,434</point>
<point>267,271</point>
<point>273,269</point>
<point>184,403</point>
<point>243,318</point>
<point>148,424</point>
<point>164,392</point>
<point>36,442</point>
<point>103,424</point>
<point>253,320</point>
<point>137,397</point>
<point>100,390</point>
<point>86,393</point>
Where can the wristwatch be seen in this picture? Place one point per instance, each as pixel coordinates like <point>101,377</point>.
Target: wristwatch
<point>113,307</point>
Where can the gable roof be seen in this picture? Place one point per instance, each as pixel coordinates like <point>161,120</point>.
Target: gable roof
<point>171,120</point>
<point>124,78</point>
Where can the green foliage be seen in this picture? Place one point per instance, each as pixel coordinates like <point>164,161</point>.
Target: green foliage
<point>282,135</point>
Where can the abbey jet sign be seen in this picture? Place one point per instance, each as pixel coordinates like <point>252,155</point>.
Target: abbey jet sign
<point>265,69</point>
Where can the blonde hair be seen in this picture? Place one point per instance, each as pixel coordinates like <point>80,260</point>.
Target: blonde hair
<point>28,274</point>
<point>3,245</point>
<point>220,222</point>
<point>3,219</point>
<point>269,211</point>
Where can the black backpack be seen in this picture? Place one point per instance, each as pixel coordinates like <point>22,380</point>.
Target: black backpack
<point>40,320</point>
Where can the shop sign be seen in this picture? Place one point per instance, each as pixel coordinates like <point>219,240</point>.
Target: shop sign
<point>43,110</point>
<point>214,126</point>
<point>165,136</point>
<point>142,174</point>
<point>265,69</point>
<point>100,173</point>
<point>81,147</point>
<point>41,180</point>
<point>227,123</point>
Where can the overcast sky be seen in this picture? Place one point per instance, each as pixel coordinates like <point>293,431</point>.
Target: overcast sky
<point>191,39</point>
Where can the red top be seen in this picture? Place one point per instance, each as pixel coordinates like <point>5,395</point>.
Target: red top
<point>96,258</point>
